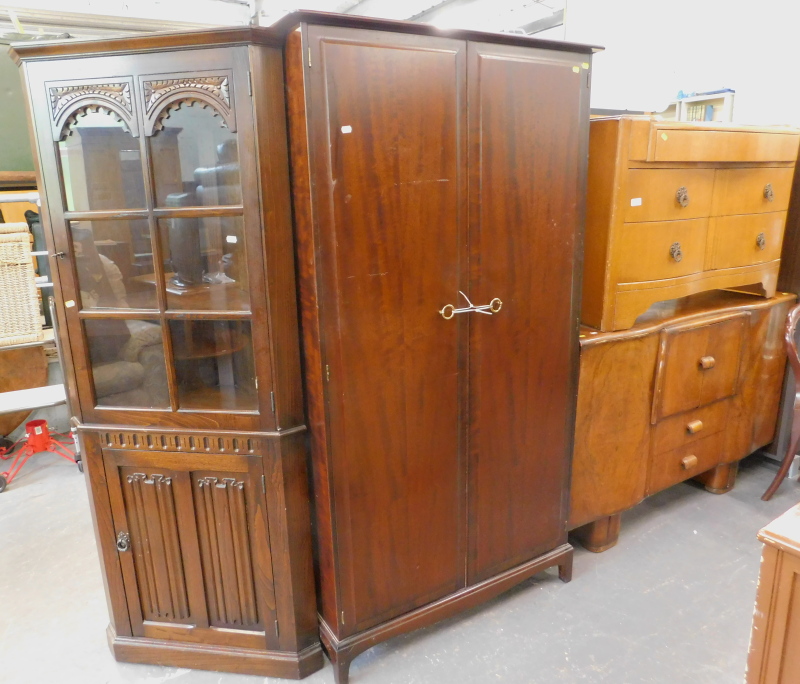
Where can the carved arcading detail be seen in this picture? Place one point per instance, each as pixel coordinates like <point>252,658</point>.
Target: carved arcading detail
<point>164,95</point>
<point>175,442</point>
<point>67,102</point>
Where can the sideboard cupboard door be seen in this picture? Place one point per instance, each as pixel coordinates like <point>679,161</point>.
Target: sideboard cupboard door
<point>386,130</point>
<point>526,185</point>
<point>194,547</point>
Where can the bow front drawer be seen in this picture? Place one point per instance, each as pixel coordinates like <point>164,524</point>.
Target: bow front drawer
<point>687,145</point>
<point>670,467</point>
<point>744,240</point>
<point>685,428</point>
<point>751,191</point>
<point>668,194</point>
<point>658,250</point>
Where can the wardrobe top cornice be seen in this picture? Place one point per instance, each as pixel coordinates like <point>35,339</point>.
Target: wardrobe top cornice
<point>273,35</point>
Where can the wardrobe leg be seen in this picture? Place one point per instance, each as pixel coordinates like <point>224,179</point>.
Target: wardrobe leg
<point>565,568</point>
<point>600,535</point>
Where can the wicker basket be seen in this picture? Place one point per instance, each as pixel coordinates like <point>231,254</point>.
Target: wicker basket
<point>20,317</point>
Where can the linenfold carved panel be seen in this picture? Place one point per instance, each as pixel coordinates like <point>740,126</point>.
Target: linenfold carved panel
<point>222,530</point>
<point>211,444</point>
<point>162,94</point>
<point>153,526</point>
<point>69,100</point>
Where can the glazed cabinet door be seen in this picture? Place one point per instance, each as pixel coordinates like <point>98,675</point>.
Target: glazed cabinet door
<point>387,139</point>
<point>193,545</point>
<point>528,125</point>
<point>156,220</point>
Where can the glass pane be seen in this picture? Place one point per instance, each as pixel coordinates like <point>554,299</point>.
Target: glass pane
<point>101,165</point>
<point>114,261</point>
<point>214,364</point>
<point>128,365</point>
<point>195,160</point>
<point>205,263</point>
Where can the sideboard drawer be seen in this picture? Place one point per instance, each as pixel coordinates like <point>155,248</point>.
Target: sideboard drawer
<point>745,239</point>
<point>658,250</point>
<point>668,194</point>
<point>698,365</point>
<point>670,467</point>
<point>685,428</point>
<point>673,145</point>
<point>751,191</point>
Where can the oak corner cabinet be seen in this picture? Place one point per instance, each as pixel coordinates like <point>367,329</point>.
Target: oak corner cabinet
<point>426,165</point>
<point>163,161</point>
<point>689,391</point>
<point>677,208</point>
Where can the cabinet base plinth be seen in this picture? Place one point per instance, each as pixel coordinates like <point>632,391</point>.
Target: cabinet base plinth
<point>600,535</point>
<point>721,479</point>
<point>342,653</point>
<point>284,664</point>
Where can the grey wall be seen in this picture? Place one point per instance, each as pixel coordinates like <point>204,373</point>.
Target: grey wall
<point>15,147</point>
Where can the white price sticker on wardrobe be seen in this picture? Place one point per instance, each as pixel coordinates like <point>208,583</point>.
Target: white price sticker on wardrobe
<point>636,202</point>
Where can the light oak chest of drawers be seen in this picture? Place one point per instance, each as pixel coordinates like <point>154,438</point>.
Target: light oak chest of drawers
<point>677,208</point>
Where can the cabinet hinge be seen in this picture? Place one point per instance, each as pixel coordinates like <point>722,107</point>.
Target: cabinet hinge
<point>277,629</point>
<point>309,56</point>
<point>272,400</point>
<point>264,484</point>
<point>327,372</point>
<point>250,83</point>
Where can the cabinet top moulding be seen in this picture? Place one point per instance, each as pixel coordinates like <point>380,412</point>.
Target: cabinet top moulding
<point>273,35</point>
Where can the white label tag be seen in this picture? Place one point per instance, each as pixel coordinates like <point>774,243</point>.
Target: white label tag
<point>347,129</point>
<point>636,202</point>
<point>232,239</point>
<point>69,303</point>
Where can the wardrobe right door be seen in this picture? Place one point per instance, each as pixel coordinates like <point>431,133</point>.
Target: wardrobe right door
<point>527,131</point>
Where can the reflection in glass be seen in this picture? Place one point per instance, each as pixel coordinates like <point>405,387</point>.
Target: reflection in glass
<point>214,364</point>
<point>127,358</point>
<point>114,262</point>
<point>101,165</point>
<point>195,160</point>
<point>205,263</point>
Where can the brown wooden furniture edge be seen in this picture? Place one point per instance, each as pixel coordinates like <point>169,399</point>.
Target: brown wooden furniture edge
<point>109,427</point>
<point>702,125</point>
<point>216,658</point>
<point>446,607</point>
<point>272,35</point>
<point>25,177</point>
<point>644,329</point>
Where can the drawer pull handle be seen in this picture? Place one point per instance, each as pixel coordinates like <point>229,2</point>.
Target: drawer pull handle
<point>761,240</point>
<point>682,196</point>
<point>689,462</point>
<point>694,427</point>
<point>675,251</point>
<point>769,194</point>
<point>707,362</point>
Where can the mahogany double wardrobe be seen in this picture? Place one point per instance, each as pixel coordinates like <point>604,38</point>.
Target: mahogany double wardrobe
<point>340,241</point>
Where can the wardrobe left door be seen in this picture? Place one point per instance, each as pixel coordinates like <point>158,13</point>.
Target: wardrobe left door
<point>386,132</point>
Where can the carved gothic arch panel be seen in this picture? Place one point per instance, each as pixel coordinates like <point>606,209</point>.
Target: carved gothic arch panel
<point>162,94</point>
<point>68,100</point>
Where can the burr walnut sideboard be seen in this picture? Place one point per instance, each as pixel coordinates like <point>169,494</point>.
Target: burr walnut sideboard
<point>687,392</point>
<point>164,169</point>
<point>677,208</point>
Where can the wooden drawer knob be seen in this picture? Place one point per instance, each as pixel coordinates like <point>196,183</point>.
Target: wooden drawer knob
<point>689,462</point>
<point>694,427</point>
<point>707,362</point>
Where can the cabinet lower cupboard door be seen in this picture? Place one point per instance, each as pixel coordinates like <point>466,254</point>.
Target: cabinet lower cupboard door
<point>193,547</point>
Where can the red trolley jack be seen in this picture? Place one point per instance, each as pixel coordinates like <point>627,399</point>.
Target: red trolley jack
<point>37,439</point>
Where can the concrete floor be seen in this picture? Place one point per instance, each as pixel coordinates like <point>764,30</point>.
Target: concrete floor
<point>671,604</point>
